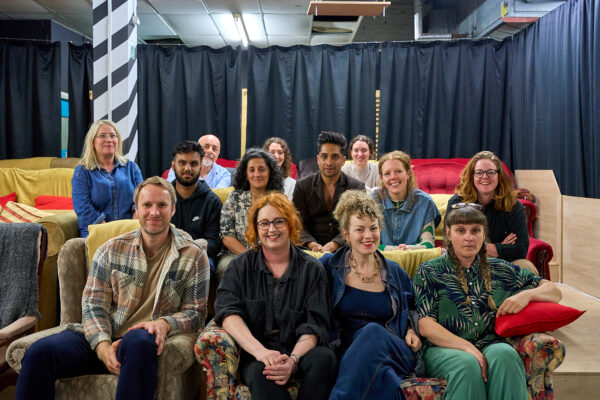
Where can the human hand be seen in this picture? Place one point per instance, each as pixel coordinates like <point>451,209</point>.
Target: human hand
<point>491,250</point>
<point>413,341</point>
<point>160,328</point>
<point>107,353</point>
<point>330,246</point>
<point>282,370</point>
<point>402,246</point>
<point>314,246</point>
<point>267,357</point>
<point>474,351</point>
<point>510,239</point>
<point>514,304</point>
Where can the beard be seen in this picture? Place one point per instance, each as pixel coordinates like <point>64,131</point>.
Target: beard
<point>184,182</point>
<point>207,162</point>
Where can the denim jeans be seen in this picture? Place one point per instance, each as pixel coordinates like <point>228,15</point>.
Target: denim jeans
<point>68,354</point>
<point>373,366</point>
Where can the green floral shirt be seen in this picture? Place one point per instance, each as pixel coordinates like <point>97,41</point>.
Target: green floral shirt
<point>438,295</point>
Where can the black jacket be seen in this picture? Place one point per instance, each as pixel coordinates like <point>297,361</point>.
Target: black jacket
<point>200,215</point>
<point>319,224</point>
<point>302,306</point>
<point>500,225</point>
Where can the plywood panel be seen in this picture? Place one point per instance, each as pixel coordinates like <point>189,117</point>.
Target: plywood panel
<point>581,239</point>
<point>548,224</point>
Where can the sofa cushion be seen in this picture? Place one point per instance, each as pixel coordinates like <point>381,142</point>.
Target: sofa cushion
<point>536,317</point>
<point>441,177</point>
<point>6,198</point>
<point>16,212</point>
<point>33,183</point>
<point>100,233</point>
<point>441,202</point>
<point>27,163</point>
<point>53,203</point>
<point>223,193</point>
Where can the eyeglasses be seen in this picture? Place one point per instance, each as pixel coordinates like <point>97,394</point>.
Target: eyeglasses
<point>490,173</point>
<point>463,205</point>
<point>263,225</point>
<point>104,136</point>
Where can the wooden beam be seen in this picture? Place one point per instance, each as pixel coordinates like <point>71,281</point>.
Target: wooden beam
<point>519,20</point>
<point>348,8</point>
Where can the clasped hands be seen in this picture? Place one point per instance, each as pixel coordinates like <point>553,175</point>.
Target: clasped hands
<point>278,367</point>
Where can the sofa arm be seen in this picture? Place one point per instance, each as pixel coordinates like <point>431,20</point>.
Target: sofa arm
<point>16,350</point>
<point>540,253</point>
<point>541,354</point>
<point>178,354</point>
<point>219,354</point>
<point>60,227</point>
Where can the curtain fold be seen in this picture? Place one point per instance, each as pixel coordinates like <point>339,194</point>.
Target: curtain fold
<point>29,99</point>
<point>81,107</point>
<point>298,91</point>
<point>184,93</point>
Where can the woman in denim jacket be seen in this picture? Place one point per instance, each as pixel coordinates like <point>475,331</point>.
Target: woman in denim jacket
<point>370,298</point>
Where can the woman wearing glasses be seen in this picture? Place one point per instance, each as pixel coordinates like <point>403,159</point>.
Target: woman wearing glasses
<point>273,301</point>
<point>484,181</point>
<point>103,181</point>
<point>458,297</point>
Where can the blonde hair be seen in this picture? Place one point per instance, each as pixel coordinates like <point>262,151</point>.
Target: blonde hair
<point>504,197</point>
<point>355,202</point>
<point>158,181</point>
<point>88,156</point>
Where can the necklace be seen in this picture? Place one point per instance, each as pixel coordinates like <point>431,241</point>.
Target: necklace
<point>365,279</point>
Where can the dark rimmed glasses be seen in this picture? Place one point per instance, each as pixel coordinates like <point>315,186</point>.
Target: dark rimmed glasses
<point>264,224</point>
<point>463,205</point>
<point>490,173</point>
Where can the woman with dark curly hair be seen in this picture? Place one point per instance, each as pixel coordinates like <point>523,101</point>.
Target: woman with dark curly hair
<point>279,149</point>
<point>256,174</point>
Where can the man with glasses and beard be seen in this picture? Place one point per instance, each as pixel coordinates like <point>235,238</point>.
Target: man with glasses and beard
<point>198,209</point>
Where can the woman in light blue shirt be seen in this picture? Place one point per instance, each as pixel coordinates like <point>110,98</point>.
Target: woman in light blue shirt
<point>104,180</point>
<point>410,215</point>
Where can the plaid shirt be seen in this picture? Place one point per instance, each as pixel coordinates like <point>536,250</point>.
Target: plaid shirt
<point>116,279</point>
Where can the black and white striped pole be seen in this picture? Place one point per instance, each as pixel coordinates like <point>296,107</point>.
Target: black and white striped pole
<point>115,68</point>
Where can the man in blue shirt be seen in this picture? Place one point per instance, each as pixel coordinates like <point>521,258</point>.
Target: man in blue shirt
<point>213,174</point>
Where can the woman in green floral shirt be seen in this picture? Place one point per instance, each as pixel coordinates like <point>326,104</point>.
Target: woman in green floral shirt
<point>458,297</point>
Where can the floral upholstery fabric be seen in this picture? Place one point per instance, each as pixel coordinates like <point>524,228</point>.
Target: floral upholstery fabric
<point>218,353</point>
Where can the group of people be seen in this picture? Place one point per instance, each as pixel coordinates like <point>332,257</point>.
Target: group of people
<point>349,325</point>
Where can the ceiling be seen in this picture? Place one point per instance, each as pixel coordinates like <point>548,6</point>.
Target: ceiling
<point>211,23</point>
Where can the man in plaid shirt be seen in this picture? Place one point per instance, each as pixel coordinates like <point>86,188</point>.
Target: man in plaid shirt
<point>143,286</point>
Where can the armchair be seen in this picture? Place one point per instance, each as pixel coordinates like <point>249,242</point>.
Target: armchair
<point>179,377</point>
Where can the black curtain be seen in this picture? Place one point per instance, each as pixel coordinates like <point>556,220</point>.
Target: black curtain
<point>555,96</point>
<point>184,93</point>
<point>296,92</point>
<point>443,99</point>
<point>29,99</point>
<point>81,108</point>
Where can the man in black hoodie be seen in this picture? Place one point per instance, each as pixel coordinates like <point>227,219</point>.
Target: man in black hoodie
<point>198,210</point>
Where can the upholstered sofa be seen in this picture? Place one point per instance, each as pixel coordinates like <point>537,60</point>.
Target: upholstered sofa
<point>179,376</point>
<point>61,226</point>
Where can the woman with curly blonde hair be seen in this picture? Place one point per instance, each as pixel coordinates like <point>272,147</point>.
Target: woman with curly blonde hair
<point>484,181</point>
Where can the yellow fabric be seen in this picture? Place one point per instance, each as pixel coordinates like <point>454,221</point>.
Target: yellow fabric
<point>441,201</point>
<point>100,233</point>
<point>29,184</point>
<point>15,212</point>
<point>409,260</point>
<point>27,163</point>
<point>70,162</point>
<point>61,227</point>
<point>222,193</point>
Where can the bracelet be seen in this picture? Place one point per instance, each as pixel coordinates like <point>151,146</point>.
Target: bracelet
<point>296,358</point>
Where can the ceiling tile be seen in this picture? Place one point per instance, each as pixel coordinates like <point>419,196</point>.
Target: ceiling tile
<point>178,6</point>
<point>226,26</point>
<point>144,8</point>
<point>223,6</point>
<point>66,6</point>
<point>255,28</point>
<point>331,39</point>
<point>39,16</point>
<point>191,25</point>
<point>287,25</point>
<point>284,6</point>
<point>152,25</point>
<point>288,40</point>
<point>214,41</point>
<point>21,6</point>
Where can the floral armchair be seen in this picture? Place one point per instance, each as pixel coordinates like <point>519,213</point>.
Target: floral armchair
<point>218,354</point>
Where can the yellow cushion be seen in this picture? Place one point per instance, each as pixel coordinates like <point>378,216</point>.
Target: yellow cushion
<point>441,201</point>
<point>100,233</point>
<point>29,184</point>
<point>222,193</point>
<point>16,212</point>
<point>409,260</point>
<point>27,163</point>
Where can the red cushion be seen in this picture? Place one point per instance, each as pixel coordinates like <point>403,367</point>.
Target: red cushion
<point>536,317</point>
<point>438,177</point>
<point>53,203</point>
<point>8,197</point>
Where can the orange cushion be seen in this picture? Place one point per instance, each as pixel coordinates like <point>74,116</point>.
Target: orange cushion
<point>536,317</point>
<point>53,203</point>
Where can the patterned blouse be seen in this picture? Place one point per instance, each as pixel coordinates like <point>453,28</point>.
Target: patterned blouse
<point>234,216</point>
<point>438,295</point>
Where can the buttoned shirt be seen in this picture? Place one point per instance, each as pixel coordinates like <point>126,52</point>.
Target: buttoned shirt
<point>234,216</point>
<point>439,295</point>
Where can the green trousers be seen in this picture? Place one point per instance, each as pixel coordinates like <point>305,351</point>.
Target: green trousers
<point>506,373</point>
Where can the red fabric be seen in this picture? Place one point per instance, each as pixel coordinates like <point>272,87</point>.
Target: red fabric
<point>53,203</point>
<point>227,163</point>
<point>166,173</point>
<point>8,197</point>
<point>531,212</point>
<point>536,317</point>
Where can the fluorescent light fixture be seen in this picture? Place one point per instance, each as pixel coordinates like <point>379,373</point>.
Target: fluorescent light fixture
<point>241,29</point>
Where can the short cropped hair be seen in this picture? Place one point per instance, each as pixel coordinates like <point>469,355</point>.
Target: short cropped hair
<point>355,202</point>
<point>284,206</point>
<point>333,138</point>
<point>158,181</point>
<point>188,146</point>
